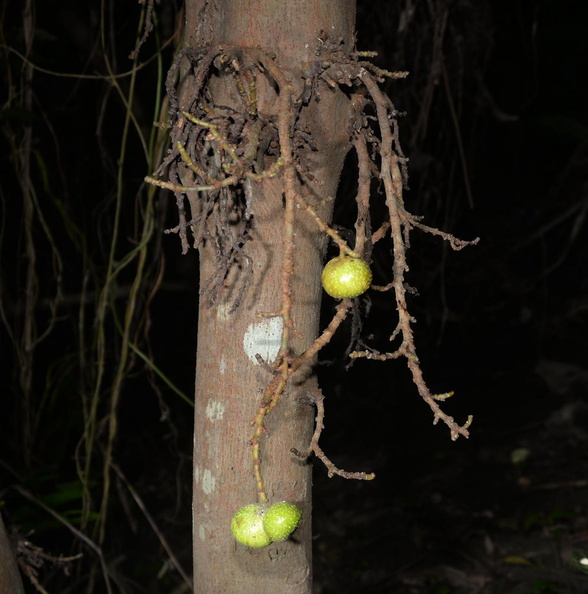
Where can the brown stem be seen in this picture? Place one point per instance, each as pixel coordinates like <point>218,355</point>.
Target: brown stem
<point>392,178</point>
<point>320,454</point>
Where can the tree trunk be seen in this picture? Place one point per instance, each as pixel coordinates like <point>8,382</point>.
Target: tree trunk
<point>10,582</point>
<point>229,379</point>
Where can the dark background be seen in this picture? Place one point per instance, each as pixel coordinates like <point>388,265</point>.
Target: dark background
<point>496,132</point>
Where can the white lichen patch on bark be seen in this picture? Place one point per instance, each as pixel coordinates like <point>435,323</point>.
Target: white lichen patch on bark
<point>208,482</point>
<point>263,338</point>
<point>222,312</point>
<point>215,410</point>
<point>205,478</point>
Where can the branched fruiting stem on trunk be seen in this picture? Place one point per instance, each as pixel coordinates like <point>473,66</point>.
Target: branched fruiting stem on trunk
<point>391,176</point>
<point>345,249</point>
<point>218,151</point>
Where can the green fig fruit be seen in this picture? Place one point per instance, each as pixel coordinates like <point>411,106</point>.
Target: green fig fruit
<point>247,526</point>
<point>345,277</point>
<point>280,520</point>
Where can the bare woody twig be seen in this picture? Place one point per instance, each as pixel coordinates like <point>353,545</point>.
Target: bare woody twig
<point>80,535</point>
<point>391,176</point>
<point>318,452</point>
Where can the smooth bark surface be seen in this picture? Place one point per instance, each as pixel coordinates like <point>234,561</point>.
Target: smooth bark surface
<point>10,582</point>
<point>228,379</point>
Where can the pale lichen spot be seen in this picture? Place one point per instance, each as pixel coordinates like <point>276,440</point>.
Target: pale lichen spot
<point>215,410</point>
<point>208,482</point>
<point>263,338</point>
<point>222,367</point>
<point>222,312</point>
<point>201,533</point>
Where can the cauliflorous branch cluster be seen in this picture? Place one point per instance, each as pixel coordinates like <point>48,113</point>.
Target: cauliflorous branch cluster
<point>217,152</point>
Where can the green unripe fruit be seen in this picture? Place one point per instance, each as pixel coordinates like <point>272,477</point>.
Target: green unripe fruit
<point>247,526</point>
<point>281,519</point>
<point>344,277</point>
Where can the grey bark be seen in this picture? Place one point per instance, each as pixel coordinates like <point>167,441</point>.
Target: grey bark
<point>10,582</point>
<point>228,380</point>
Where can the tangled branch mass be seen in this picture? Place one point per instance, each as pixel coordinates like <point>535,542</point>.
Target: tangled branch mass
<point>219,152</point>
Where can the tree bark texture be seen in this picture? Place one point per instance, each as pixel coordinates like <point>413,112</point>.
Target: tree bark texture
<point>229,379</point>
<point>10,582</point>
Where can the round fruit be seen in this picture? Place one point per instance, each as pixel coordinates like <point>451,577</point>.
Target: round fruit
<point>281,519</point>
<point>247,526</point>
<point>345,277</point>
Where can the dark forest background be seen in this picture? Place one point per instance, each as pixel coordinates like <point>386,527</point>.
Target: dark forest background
<point>98,309</point>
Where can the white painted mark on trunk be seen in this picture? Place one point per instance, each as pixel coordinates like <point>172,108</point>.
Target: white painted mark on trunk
<point>264,338</point>
<point>215,410</point>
